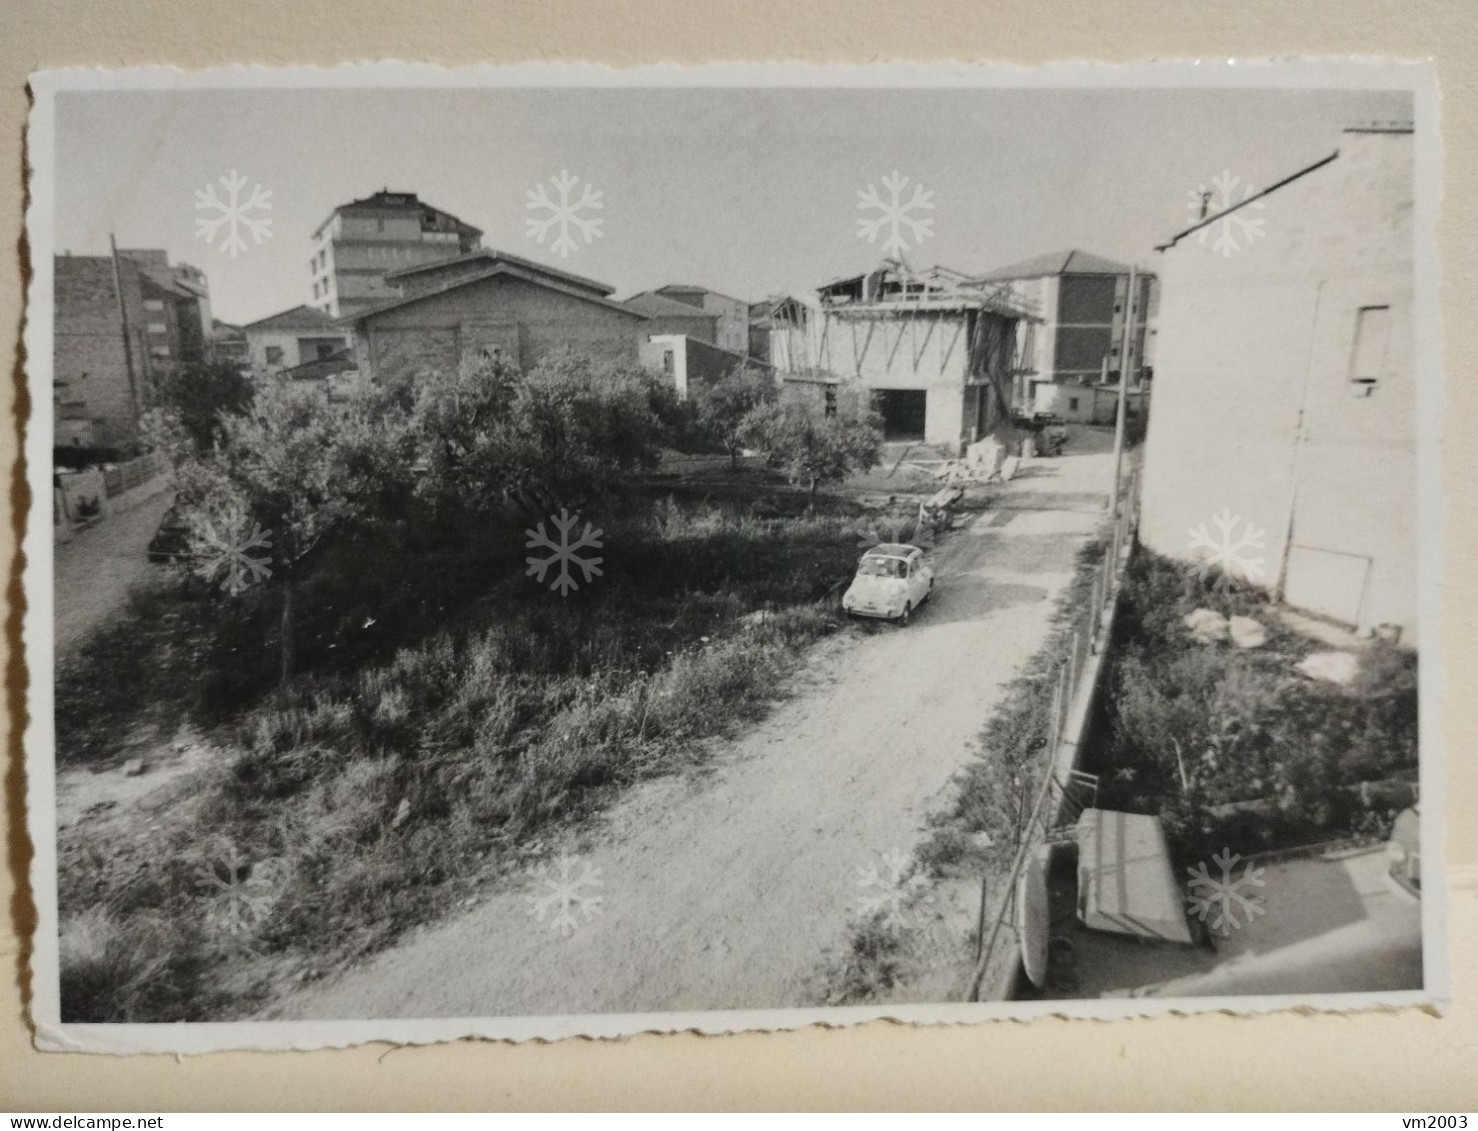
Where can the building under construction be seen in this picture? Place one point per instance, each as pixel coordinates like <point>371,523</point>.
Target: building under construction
<point>938,349</point>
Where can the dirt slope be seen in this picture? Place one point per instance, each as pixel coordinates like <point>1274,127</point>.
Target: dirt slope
<point>727,889</point>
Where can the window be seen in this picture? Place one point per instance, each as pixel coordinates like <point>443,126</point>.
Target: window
<point>274,355</point>
<point>158,328</point>
<point>1368,356</point>
<point>830,408</point>
<point>668,364</point>
<point>325,350</point>
<point>159,350</point>
<point>154,304</point>
<point>315,288</point>
<point>1072,404</point>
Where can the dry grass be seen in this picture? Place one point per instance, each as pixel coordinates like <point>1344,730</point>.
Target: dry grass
<point>370,795</point>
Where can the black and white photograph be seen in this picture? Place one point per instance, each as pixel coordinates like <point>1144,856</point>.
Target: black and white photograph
<point>547,551</point>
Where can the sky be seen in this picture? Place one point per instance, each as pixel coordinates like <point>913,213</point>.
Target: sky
<point>747,192</point>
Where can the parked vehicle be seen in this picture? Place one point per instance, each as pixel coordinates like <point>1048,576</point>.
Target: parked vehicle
<point>1049,431</point>
<point>892,581</point>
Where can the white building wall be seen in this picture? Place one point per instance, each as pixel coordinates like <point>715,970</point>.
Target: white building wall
<point>1257,415</point>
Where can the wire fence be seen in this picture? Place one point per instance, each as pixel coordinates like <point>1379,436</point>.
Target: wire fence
<point>1063,787</point>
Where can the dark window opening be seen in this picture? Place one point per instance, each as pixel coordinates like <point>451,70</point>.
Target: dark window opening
<point>1372,335</point>
<point>903,411</point>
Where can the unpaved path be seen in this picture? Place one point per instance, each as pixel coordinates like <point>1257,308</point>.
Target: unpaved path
<point>727,889</point>
<point>97,568</point>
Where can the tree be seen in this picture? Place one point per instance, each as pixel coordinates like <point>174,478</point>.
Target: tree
<point>817,447</point>
<point>565,429</point>
<point>202,395</point>
<point>723,405</point>
<point>280,479</point>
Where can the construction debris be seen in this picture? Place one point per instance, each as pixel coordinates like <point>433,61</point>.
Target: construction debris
<point>1247,632</point>
<point>1334,667</point>
<point>1207,626</point>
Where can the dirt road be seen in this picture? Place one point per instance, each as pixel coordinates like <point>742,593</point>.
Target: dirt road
<point>727,889</point>
<point>96,569</point>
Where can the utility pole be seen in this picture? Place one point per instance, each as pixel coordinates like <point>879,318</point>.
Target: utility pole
<point>133,384</point>
<point>1125,359</point>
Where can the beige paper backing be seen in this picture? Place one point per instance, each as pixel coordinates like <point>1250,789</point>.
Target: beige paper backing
<point>1410,1060</point>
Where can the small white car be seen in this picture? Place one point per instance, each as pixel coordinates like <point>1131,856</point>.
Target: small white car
<point>892,581</point>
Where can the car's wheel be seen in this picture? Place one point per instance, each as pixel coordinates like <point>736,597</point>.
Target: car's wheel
<point>907,614</point>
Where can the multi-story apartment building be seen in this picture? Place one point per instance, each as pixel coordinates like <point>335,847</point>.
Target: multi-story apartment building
<point>1082,299</point>
<point>122,323</point>
<point>363,241</point>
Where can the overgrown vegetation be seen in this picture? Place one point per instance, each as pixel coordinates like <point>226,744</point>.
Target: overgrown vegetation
<point>814,448</point>
<point>996,791</point>
<point>1233,747</point>
<point>445,714</point>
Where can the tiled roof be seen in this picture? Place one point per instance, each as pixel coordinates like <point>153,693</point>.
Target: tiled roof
<point>1071,262</point>
<point>493,255</point>
<point>501,265</point>
<point>660,306</point>
<point>691,288</point>
<point>298,318</point>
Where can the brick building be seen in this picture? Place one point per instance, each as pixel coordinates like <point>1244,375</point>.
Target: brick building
<point>109,355</point>
<point>1082,301</point>
<point>688,362</point>
<point>365,240</point>
<point>290,338</point>
<point>492,304</point>
<point>669,316</point>
<point>1285,391</point>
<point>732,329</point>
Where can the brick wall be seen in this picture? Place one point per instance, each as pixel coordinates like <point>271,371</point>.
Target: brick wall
<point>89,364</point>
<point>437,330</point>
